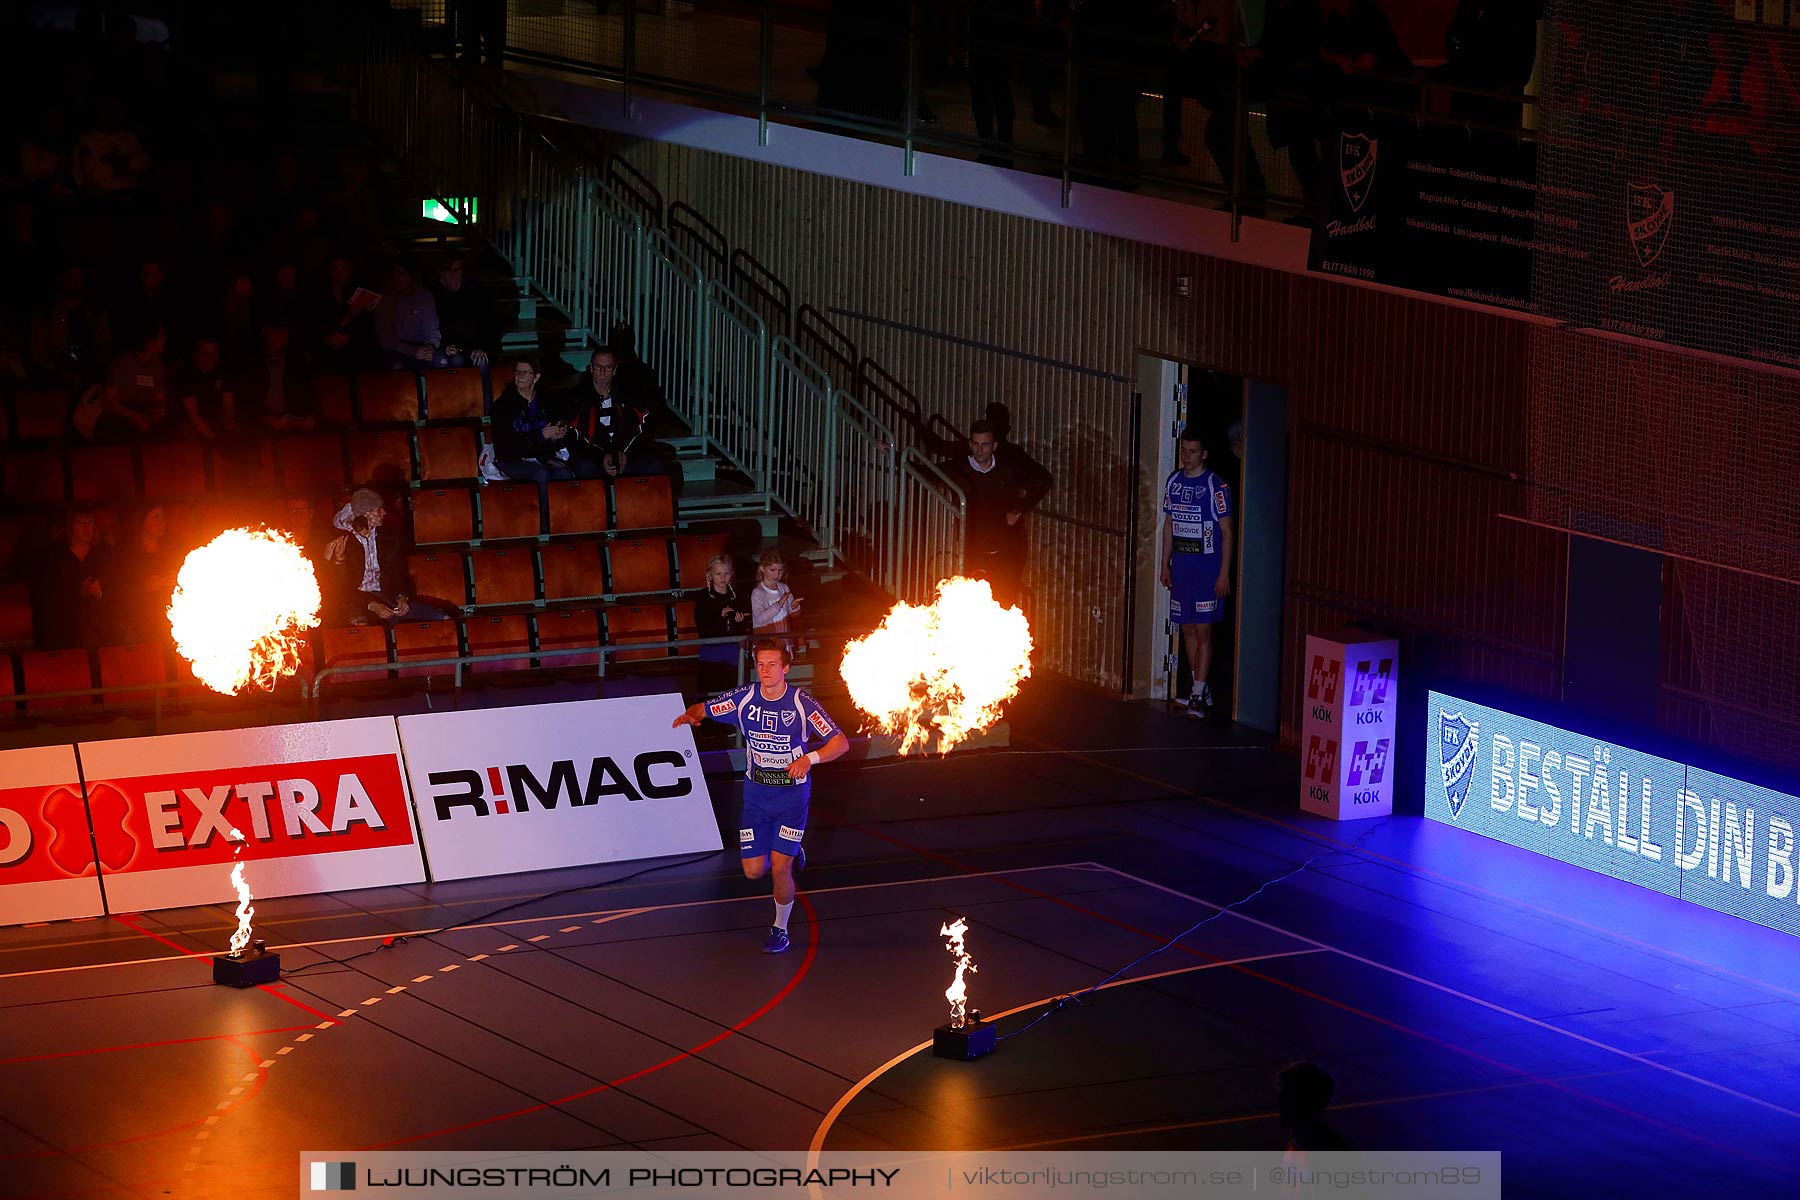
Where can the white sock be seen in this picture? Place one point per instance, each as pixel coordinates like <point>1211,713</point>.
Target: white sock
<point>781,913</point>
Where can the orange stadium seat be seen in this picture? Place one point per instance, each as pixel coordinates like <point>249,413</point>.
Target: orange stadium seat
<point>387,397</point>
<point>173,469</point>
<point>439,577</point>
<point>509,510</point>
<point>352,646</point>
<point>40,414</point>
<point>500,635</point>
<point>310,461</point>
<point>569,629</point>
<point>685,627</point>
<point>102,475</point>
<point>504,577</point>
<point>639,566</point>
<point>448,452</point>
<point>572,571</point>
<point>249,468</point>
<point>442,515</point>
<point>333,393</point>
<point>425,639</point>
<point>380,456</point>
<point>643,502</point>
<point>692,552</point>
<point>628,623</point>
<point>57,671</point>
<point>455,395</point>
<point>15,615</point>
<point>577,506</point>
<point>17,534</point>
<point>124,666</point>
<point>35,476</point>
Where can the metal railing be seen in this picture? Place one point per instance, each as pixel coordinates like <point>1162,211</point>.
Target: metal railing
<point>312,691</point>
<point>755,397</point>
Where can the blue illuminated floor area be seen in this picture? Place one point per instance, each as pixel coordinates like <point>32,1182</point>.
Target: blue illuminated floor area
<point>1466,995</point>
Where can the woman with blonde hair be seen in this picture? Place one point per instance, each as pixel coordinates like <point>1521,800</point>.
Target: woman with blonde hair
<point>720,612</point>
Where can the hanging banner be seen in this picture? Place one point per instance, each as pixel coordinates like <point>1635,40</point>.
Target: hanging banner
<point>47,870</point>
<point>556,785</point>
<point>322,807</point>
<point>1432,209</point>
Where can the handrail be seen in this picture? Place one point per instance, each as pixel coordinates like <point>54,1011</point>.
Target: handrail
<point>592,239</point>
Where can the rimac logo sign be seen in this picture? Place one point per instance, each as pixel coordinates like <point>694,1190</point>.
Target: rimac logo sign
<point>1456,757</point>
<point>334,1177</point>
<point>515,788</point>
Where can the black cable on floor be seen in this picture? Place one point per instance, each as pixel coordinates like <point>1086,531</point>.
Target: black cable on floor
<point>398,938</point>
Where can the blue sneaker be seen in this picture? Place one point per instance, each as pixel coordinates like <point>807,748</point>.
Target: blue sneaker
<point>777,941</point>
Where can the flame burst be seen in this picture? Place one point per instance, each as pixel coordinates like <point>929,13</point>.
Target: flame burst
<point>241,937</point>
<point>957,993</point>
<point>241,605</point>
<point>948,666</point>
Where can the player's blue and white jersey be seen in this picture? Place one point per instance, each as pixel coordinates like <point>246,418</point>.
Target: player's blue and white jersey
<point>1194,505</point>
<point>775,731</point>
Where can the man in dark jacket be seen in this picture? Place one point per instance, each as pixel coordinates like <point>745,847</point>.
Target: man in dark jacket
<point>530,442</point>
<point>1000,492</point>
<point>608,425</point>
<point>376,580</point>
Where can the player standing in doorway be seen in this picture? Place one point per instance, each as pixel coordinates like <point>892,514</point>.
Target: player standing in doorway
<point>1196,558</point>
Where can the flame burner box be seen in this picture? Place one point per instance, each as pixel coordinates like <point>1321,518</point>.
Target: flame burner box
<point>250,968</point>
<point>973,1040</point>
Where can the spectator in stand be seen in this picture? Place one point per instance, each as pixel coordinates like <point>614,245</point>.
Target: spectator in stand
<point>84,426</point>
<point>136,395</point>
<point>1201,66</point>
<point>206,400</point>
<point>275,391</point>
<point>773,604</point>
<point>44,156</point>
<point>373,558</point>
<point>1492,45</point>
<point>406,323</point>
<point>321,544</point>
<point>285,302</point>
<point>353,212</point>
<point>146,304</point>
<point>109,159</point>
<point>636,379</point>
<point>466,316</point>
<point>340,333</point>
<point>142,578</point>
<point>1286,71</point>
<point>1305,1091</point>
<point>70,338</point>
<point>993,27</point>
<point>529,444</point>
<point>304,244</point>
<point>68,601</point>
<point>240,330</point>
<point>609,430</point>
<point>720,612</point>
<point>1000,492</point>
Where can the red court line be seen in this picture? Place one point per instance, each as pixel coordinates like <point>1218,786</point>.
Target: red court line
<point>208,1037</point>
<point>806,965</point>
<point>131,922</point>
<point>262,1076</point>
<point>1338,1004</point>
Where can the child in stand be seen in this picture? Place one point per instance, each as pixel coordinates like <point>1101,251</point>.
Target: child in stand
<point>720,612</point>
<point>772,603</point>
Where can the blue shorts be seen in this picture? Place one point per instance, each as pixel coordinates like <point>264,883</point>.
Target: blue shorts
<point>1192,578</point>
<point>774,819</point>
